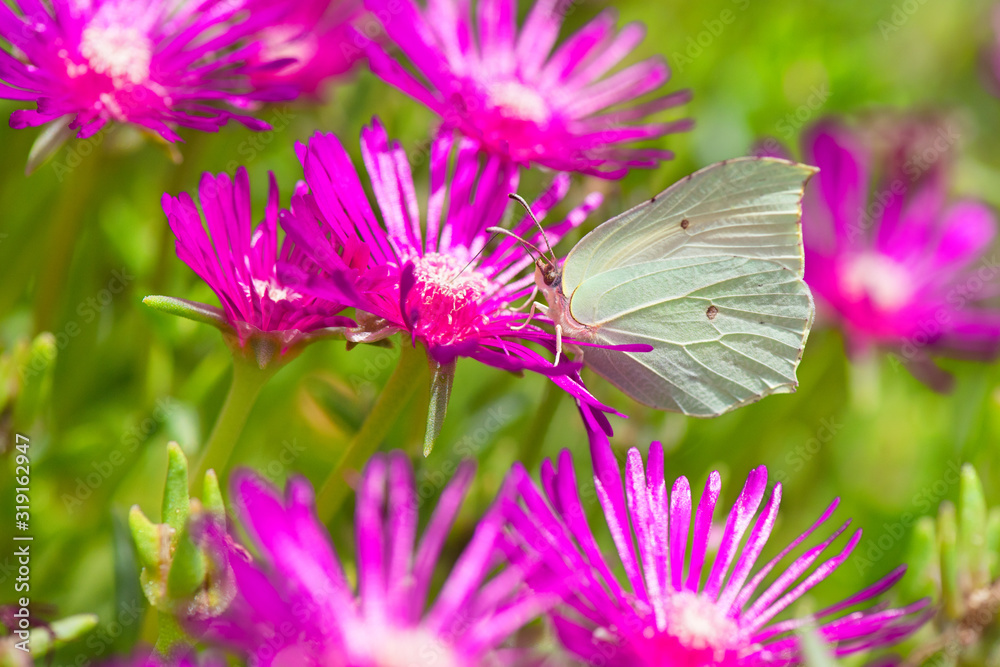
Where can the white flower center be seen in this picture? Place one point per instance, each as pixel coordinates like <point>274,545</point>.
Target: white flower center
<point>443,274</point>
<point>887,283</point>
<point>267,289</point>
<point>120,51</point>
<point>445,301</point>
<point>516,100</point>
<point>412,648</point>
<point>699,624</point>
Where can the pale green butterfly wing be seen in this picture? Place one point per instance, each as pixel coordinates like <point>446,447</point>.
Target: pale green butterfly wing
<point>725,331</point>
<point>710,275</point>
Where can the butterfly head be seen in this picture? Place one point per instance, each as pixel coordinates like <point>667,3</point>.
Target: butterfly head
<point>547,270</point>
<point>547,274</point>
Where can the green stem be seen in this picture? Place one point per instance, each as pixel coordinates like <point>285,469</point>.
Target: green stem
<point>169,634</point>
<point>531,445</point>
<point>64,231</point>
<point>395,395</point>
<point>248,380</point>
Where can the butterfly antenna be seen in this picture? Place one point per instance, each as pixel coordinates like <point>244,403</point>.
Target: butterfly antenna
<point>520,200</point>
<point>500,230</point>
<point>528,247</point>
<point>475,257</point>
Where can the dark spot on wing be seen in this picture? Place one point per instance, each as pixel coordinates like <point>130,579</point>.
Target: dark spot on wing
<point>685,223</point>
<point>712,312</point>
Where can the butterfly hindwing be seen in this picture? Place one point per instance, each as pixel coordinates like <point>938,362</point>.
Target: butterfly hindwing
<point>724,331</point>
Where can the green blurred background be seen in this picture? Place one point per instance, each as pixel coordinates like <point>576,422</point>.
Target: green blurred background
<point>127,379</point>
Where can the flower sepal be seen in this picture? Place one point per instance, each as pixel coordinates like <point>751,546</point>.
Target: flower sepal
<point>191,310</point>
<point>48,143</point>
<point>249,343</point>
<point>956,560</point>
<point>371,330</point>
<point>178,573</point>
<point>442,379</point>
<point>42,638</point>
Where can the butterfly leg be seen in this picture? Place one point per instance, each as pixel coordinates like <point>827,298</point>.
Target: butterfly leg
<point>531,314</point>
<point>558,344</point>
<point>530,300</point>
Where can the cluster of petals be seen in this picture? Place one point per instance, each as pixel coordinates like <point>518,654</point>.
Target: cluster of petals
<point>439,277</point>
<point>518,94</point>
<point>295,604</point>
<point>155,64</point>
<point>238,261</point>
<point>677,605</point>
<point>889,257</point>
<point>317,39</point>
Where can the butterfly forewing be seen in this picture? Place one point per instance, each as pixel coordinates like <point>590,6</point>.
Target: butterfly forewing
<point>710,275</point>
<point>749,207</point>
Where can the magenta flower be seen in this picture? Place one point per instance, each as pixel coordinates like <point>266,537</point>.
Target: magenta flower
<point>316,39</point>
<point>509,91</point>
<point>899,268</point>
<point>156,64</point>
<point>678,609</point>
<point>295,605</point>
<point>446,284</point>
<point>239,262</point>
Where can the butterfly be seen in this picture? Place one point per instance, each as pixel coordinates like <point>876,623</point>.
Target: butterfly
<point>707,276</point>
